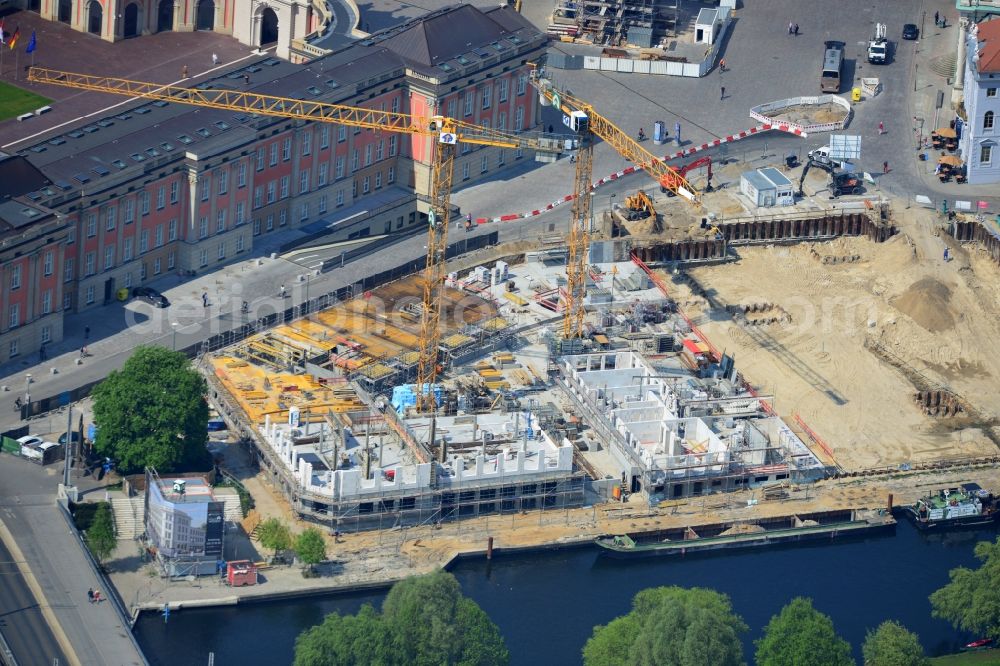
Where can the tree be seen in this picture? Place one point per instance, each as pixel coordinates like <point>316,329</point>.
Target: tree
<point>433,623</point>
<point>100,536</point>
<point>347,640</point>
<point>310,547</point>
<point>802,636</point>
<point>892,645</point>
<point>274,534</point>
<point>971,601</point>
<point>425,621</point>
<point>670,625</point>
<point>152,413</point>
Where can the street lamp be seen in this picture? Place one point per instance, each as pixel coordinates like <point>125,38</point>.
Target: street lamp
<point>173,324</point>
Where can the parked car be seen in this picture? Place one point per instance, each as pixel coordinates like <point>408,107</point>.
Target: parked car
<point>215,425</point>
<point>911,31</point>
<point>30,440</point>
<point>75,435</point>
<point>151,296</point>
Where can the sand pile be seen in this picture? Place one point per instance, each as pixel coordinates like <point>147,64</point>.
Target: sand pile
<point>926,302</point>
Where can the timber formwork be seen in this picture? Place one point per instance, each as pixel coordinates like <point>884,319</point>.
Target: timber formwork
<point>977,232</point>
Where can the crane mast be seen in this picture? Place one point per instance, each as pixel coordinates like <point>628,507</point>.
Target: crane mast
<point>579,241</point>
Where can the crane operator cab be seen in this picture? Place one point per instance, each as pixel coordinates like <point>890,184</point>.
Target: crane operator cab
<point>577,121</point>
<point>447,129</point>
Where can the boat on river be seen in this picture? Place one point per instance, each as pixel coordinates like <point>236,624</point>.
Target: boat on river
<point>968,505</point>
<point>749,533</point>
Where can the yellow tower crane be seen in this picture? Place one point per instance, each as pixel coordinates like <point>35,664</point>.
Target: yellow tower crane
<point>587,123</point>
<point>447,131</point>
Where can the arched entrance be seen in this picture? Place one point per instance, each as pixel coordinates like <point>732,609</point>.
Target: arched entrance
<point>94,17</point>
<point>65,11</point>
<point>35,6</point>
<point>130,23</point>
<point>165,16</point>
<point>206,15</point>
<point>268,27</point>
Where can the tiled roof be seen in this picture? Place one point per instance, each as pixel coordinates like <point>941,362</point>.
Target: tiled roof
<point>989,52</point>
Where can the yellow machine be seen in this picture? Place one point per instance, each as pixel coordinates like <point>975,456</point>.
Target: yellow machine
<point>640,207</point>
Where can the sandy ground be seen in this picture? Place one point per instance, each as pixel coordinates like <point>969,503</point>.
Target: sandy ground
<point>870,326</point>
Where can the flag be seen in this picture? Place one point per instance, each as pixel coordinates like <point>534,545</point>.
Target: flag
<point>14,37</point>
<point>31,43</point>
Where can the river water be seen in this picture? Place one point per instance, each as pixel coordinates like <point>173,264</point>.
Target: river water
<point>546,604</point>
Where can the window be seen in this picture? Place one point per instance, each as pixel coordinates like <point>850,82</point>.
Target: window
<point>307,141</point>
<point>286,149</point>
<point>303,212</point>
<point>143,241</point>
<point>159,235</point>
<point>204,186</point>
<point>368,155</point>
<point>161,195</point>
<point>501,155</point>
<point>260,159</point>
<point>172,230</point>
<point>240,213</point>
<point>129,215</point>
<point>284,187</point>
<point>519,119</point>
<point>282,217</point>
<point>366,185</point>
<point>15,277</point>
<point>354,188</point>
<point>171,260</point>
<point>378,179</point>
<point>322,174</point>
<point>223,178</point>
<point>340,197</point>
<point>269,222</point>
<point>392,145</point>
<point>322,205</point>
<point>991,92</point>
<point>324,137</point>
<point>487,96</point>
<point>109,256</point>
<point>68,270</point>
<point>452,103</point>
<point>46,335</point>
<point>256,227</point>
<point>144,203</point>
<point>390,176</point>
<point>47,264</point>
<point>175,189</point>
<point>339,173</point>
<point>239,243</point>
<point>988,120</point>
<point>67,300</point>
<point>91,225</point>
<point>14,320</point>
<point>71,236</point>
<point>502,120</point>
<point>127,249</point>
<point>222,251</point>
<point>47,302</point>
<point>109,218</point>
<point>142,271</point>
<point>341,134</point>
<point>522,84</point>
<point>241,174</point>
<point>271,189</point>
<point>380,150</point>
<point>203,227</point>
<point>13,348</point>
<point>274,153</point>
<point>156,266</point>
<point>258,196</point>
<point>986,153</point>
<point>484,164</point>
<point>465,171</point>
<point>220,221</point>
<point>469,96</point>
<point>203,258</point>
<point>355,162</point>
<point>504,86</point>
<point>303,182</point>
<point>89,260</point>
<point>128,280</point>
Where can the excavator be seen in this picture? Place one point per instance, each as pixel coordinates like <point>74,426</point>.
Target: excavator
<point>683,171</point>
<point>640,207</point>
<point>841,182</point>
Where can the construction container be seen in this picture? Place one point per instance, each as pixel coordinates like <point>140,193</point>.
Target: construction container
<point>240,573</point>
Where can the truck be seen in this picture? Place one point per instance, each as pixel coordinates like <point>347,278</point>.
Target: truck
<point>878,47</point>
<point>820,157</point>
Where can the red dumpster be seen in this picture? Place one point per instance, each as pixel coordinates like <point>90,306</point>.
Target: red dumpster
<point>240,573</point>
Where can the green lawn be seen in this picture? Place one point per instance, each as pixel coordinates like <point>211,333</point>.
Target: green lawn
<point>14,101</point>
<point>985,658</point>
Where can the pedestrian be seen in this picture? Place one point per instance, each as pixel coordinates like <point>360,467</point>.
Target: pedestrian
<point>215,59</point>
<point>881,127</point>
<point>90,595</point>
<point>246,79</point>
<point>184,72</point>
<point>86,332</point>
<point>282,291</point>
<point>97,596</point>
<point>790,27</point>
<point>723,95</point>
<point>204,299</point>
<point>937,18</point>
<point>551,129</point>
<point>795,29</point>
<point>885,167</point>
<point>41,353</point>
<point>17,403</point>
<point>722,64</point>
<point>83,352</point>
